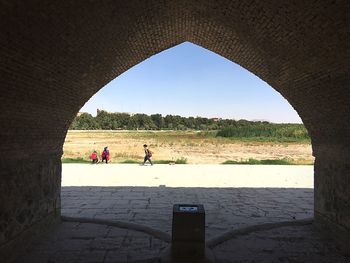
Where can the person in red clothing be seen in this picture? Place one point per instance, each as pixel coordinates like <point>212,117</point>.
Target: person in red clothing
<point>94,157</point>
<point>105,154</point>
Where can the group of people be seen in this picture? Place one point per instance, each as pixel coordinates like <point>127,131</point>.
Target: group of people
<point>105,155</point>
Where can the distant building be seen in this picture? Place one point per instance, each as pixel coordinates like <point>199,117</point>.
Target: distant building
<point>216,119</point>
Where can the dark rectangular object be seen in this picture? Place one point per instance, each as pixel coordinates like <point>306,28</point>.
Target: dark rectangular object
<point>188,230</point>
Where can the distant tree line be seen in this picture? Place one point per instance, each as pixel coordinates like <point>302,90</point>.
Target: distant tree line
<point>123,121</point>
<point>227,127</point>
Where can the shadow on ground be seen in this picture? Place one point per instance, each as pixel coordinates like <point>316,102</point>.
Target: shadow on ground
<point>226,208</point>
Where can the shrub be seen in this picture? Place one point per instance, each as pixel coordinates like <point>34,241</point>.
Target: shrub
<point>181,160</point>
<point>75,160</point>
<point>266,131</point>
<point>265,161</point>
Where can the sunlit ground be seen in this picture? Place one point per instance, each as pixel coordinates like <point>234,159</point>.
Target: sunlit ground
<point>283,176</point>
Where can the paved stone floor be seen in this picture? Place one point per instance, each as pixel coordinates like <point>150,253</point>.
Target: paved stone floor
<point>226,208</point>
<point>283,245</point>
<point>76,242</point>
<point>229,206</point>
<point>235,201</point>
<point>91,243</point>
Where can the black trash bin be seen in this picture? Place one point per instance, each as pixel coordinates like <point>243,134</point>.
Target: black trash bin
<point>188,231</point>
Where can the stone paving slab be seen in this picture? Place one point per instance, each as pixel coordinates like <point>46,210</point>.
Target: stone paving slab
<point>76,242</point>
<point>233,195</point>
<point>226,208</point>
<point>93,243</point>
<point>283,244</point>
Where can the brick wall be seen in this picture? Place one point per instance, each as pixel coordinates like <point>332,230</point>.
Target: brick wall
<point>54,55</point>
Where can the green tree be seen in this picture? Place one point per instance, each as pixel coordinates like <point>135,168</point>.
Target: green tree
<point>85,122</point>
<point>104,120</point>
<point>158,121</point>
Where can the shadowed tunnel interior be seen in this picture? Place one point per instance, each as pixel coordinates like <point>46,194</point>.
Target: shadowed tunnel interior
<point>56,55</point>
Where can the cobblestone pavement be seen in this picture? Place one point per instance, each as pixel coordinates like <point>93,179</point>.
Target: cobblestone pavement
<point>76,242</point>
<point>234,201</point>
<point>91,243</point>
<point>226,208</point>
<point>228,205</point>
<point>280,245</point>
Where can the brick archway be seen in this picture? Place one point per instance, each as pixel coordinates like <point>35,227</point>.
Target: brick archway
<point>55,56</point>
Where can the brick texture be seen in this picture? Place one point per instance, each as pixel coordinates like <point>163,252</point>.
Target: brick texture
<point>54,55</point>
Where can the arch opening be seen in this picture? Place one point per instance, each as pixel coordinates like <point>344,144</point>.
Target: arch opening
<point>146,196</point>
<point>183,93</point>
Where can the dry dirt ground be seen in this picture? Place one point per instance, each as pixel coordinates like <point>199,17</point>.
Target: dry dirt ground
<point>196,147</point>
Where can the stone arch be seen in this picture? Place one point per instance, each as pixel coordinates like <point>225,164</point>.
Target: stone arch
<point>55,56</point>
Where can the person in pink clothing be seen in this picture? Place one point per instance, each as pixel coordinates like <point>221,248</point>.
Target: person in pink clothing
<point>105,155</point>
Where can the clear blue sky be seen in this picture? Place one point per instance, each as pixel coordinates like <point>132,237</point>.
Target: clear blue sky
<point>189,80</point>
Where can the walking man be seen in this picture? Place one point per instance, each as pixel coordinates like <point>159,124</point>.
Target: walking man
<point>148,155</point>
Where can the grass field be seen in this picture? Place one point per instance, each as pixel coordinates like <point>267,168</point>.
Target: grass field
<point>183,147</point>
